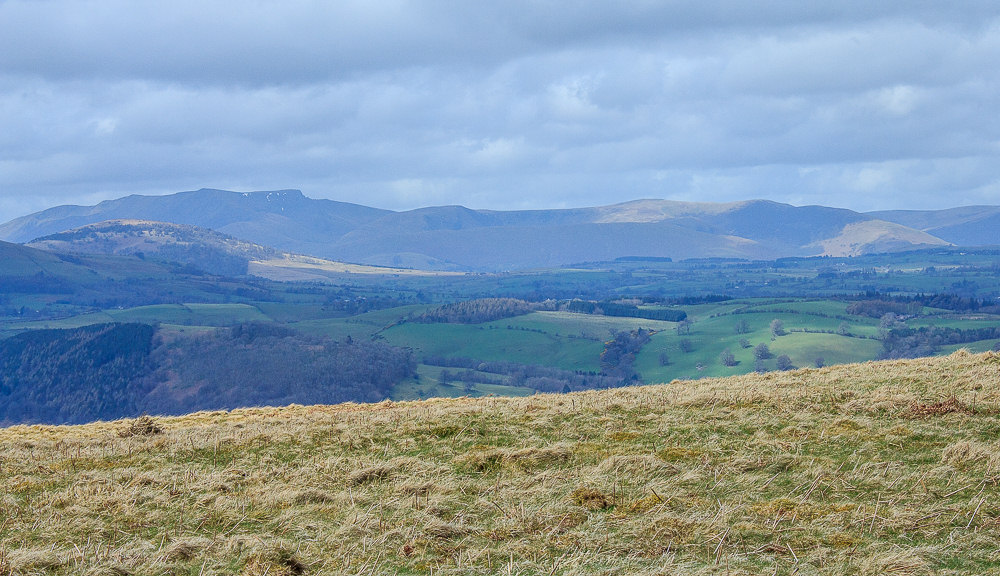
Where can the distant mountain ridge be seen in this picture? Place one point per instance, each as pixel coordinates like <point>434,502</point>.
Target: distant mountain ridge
<point>284,219</point>
<point>463,239</point>
<point>964,226</point>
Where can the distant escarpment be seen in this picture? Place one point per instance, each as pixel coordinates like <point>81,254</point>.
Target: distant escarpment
<point>462,239</point>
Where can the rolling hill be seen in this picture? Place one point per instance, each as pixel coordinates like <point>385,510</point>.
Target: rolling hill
<point>965,226</point>
<point>461,239</point>
<point>200,249</point>
<point>868,469</point>
<point>284,219</point>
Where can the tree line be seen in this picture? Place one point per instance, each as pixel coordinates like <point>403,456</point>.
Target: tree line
<point>478,311</point>
<point>534,377</point>
<point>112,371</point>
<point>905,342</point>
<point>622,310</point>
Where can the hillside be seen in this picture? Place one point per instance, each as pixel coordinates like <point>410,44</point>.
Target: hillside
<point>878,468</point>
<point>199,247</point>
<point>284,219</point>
<point>456,238</point>
<point>115,370</point>
<point>965,226</point>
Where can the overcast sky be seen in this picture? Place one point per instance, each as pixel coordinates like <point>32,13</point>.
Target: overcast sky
<point>514,104</point>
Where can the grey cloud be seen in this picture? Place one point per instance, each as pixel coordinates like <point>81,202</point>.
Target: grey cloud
<point>507,105</point>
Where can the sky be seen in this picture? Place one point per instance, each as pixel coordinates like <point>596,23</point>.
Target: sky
<point>502,105</point>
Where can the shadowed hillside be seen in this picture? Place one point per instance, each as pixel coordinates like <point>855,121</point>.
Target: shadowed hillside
<point>456,238</point>
<point>284,219</point>
<point>965,226</point>
<point>199,247</point>
<point>870,469</point>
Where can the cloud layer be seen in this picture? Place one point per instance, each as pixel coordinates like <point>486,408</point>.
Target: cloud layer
<point>502,105</point>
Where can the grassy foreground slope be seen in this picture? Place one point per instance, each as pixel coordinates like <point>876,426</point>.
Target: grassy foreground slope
<point>877,468</point>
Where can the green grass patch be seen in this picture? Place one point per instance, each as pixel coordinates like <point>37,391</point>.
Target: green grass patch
<point>491,342</point>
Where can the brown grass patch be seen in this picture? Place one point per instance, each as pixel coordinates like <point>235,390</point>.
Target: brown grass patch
<point>141,426</point>
<point>186,549</point>
<point>108,570</point>
<point>370,474</point>
<point>590,498</point>
<point>949,406</point>
<point>968,452</point>
<point>901,563</point>
<point>274,561</point>
<point>723,476</point>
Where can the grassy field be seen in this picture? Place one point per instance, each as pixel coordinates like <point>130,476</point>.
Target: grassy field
<point>496,342</point>
<point>714,330</point>
<point>184,314</point>
<point>877,468</point>
<point>428,384</point>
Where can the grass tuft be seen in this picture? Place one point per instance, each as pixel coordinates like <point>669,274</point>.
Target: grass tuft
<point>141,426</point>
<point>949,406</point>
<point>590,498</point>
<point>898,563</point>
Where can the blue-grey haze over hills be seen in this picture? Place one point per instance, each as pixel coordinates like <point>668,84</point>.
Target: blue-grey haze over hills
<point>459,238</point>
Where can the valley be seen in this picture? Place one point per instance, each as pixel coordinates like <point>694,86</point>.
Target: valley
<point>607,310</point>
<point>590,325</point>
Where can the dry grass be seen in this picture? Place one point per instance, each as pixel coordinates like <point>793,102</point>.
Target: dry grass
<point>141,426</point>
<point>830,471</point>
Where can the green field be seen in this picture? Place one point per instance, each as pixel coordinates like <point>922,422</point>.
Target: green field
<point>428,384</point>
<point>710,337</point>
<point>180,314</point>
<point>566,340</point>
<point>493,342</point>
<point>810,296</point>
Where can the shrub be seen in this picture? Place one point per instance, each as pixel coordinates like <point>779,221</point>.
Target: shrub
<point>761,351</point>
<point>784,362</point>
<point>727,358</point>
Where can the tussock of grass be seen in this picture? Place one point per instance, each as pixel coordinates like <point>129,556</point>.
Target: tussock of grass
<point>141,426</point>
<point>949,406</point>
<point>829,471</point>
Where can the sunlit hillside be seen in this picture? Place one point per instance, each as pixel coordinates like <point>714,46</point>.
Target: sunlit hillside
<point>876,468</point>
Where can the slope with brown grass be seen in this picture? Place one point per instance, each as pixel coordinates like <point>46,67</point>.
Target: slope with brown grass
<point>879,468</point>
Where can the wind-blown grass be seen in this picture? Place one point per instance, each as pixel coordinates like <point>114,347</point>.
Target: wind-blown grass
<point>877,468</point>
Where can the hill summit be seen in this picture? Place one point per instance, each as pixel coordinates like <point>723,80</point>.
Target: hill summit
<point>462,239</point>
<point>876,468</point>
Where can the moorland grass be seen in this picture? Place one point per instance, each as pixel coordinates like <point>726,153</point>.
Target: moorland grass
<point>876,468</point>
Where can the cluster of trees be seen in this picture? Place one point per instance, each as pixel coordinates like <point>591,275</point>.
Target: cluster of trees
<point>112,371</point>
<point>257,364</point>
<point>905,342</point>
<point>943,301</point>
<point>623,310</point>
<point>618,357</point>
<point>879,308</point>
<point>540,378</point>
<point>478,311</point>
<point>727,358</point>
<point>74,376</point>
<point>686,300</point>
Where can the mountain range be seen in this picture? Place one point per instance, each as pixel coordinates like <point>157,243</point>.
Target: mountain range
<point>462,239</point>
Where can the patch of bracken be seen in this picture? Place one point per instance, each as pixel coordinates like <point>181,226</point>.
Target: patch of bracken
<point>950,406</point>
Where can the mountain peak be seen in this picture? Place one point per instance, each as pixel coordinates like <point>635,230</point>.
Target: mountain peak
<point>487,240</point>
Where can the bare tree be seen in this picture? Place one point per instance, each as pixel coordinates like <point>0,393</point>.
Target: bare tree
<point>727,358</point>
<point>777,328</point>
